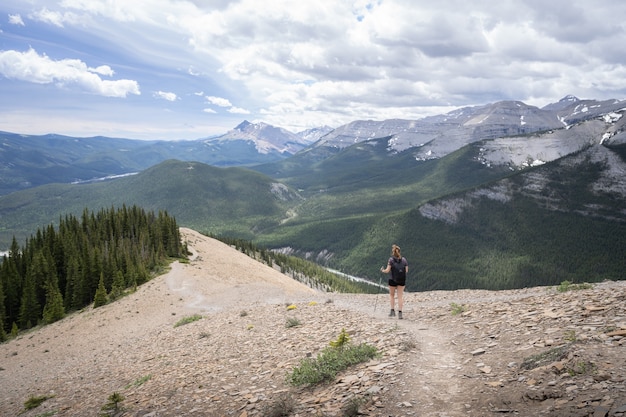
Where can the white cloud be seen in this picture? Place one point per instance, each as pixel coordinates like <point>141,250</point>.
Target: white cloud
<point>225,103</point>
<point>219,101</point>
<point>207,110</point>
<point>16,19</point>
<point>166,96</point>
<point>238,110</point>
<point>31,67</point>
<point>55,18</point>
<point>103,70</point>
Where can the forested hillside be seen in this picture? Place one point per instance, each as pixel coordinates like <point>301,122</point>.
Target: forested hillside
<point>91,259</point>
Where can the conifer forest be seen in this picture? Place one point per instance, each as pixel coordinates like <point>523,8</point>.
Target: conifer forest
<point>95,259</point>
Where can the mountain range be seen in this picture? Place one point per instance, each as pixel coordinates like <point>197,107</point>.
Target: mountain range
<point>495,196</point>
<point>27,161</point>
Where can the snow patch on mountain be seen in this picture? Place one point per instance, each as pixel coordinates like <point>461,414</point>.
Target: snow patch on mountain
<point>267,138</point>
<point>449,210</point>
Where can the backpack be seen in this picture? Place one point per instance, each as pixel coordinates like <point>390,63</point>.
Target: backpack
<point>398,269</point>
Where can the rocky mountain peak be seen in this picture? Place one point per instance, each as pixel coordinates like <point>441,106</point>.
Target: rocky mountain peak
<point>243,126</point>
<point>569,99</point>
<point>267,138</point>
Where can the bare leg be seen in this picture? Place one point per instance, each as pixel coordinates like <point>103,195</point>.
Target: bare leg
<point>400,298</point>
<point>392,295</point>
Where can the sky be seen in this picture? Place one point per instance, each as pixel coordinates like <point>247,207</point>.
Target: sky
<point>189,69</point>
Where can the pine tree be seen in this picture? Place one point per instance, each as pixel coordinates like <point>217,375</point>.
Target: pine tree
<point>12,282</point>
<point>54,309</point>
<point>29,306</point>
<point>100,298</point>
<point>74,266</point>
<point>3,335</point>
<point>74,288</point>
<point>117,289</point>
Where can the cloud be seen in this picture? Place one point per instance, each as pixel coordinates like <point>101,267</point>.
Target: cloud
<point>16,19</point>
<point>219,101</point>
<point>238,110</point>
<point>54,18</point>
<point>325,62</point>
<point>166,96</point>
<point>223,102</point>
<point>31,67</point>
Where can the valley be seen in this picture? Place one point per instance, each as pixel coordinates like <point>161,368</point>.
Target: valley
<point>493,197</point>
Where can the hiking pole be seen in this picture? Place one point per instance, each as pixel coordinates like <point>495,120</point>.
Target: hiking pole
<point>380,284</point>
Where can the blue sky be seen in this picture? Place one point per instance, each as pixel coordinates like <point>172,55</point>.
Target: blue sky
<point>187,69</point>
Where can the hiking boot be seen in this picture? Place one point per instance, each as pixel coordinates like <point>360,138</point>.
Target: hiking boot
<point>399,314</point>
<point>392,313</point>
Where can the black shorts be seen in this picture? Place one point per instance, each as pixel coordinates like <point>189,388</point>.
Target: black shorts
<point>394,283</point>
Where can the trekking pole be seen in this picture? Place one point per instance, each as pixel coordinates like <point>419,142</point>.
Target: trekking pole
<point>380,283</point>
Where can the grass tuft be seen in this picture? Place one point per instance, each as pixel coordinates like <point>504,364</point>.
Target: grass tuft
<point>569,286</point>
<point>187,320</point>
<point>329,362</point>
<point>35,401</point>
<point>457,309</point>
<point>545,358</point>
<point>293,322</point>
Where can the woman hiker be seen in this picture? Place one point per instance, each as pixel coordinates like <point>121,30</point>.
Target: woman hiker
<point>399,267</point>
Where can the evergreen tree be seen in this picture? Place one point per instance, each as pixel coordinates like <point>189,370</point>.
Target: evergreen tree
<point>117,289</point>
<point>12,285</point>
<point>3,334</point>
<point>54,309</point>
<point>73,285</point>
<point>29,306</point>
<point>100,298</point>
<point>66,269</point>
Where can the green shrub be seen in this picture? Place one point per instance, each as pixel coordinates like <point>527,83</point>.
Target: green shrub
<point>292,322</point>
<point>113,406</point>
<point>187,320</point>
<point>330,362</point>
<point>140,381</point>
<point>545,358</point>
<point>35,401</point>
<point>569,286</point>
<point>342,340</point>
<point>457,309</point>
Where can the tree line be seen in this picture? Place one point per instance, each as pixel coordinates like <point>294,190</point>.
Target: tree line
<point>302,270</point>
<point>91,259</point>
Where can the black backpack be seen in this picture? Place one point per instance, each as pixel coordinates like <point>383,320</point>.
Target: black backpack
<point>398,270</point>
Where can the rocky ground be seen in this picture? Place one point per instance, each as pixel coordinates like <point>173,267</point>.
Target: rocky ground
<point>530,352</point>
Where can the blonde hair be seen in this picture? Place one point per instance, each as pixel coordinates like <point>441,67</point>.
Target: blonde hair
<point>395,251</point>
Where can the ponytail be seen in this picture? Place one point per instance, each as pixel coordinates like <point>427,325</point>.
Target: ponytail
<point>395,251</point>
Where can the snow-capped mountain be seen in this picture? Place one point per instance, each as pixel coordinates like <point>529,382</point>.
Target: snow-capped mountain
<point>510,133</point>
<point>266,138</point>
<point>314,134</point>
<point>507,128</point>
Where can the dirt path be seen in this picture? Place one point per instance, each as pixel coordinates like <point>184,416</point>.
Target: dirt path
<point>434,383</point>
